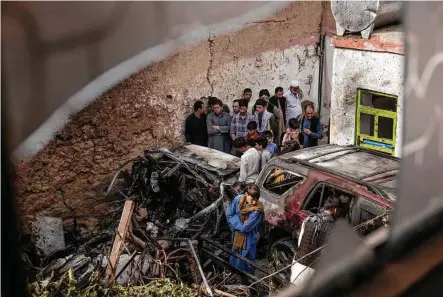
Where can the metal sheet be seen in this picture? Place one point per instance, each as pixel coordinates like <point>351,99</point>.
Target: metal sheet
<point>49,236</point>
<point>313,152</point>
<point>356,16</point>
<point>213,160</point>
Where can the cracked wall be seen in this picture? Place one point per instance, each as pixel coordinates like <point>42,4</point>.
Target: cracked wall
<point>148,109</point>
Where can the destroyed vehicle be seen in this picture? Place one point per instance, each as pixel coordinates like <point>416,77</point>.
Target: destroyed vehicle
<point>297,184</point>
<point>174,195</point>
<point>182,188</point>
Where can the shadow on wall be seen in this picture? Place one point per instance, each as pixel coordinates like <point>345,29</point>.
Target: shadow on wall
<point>48,55</point>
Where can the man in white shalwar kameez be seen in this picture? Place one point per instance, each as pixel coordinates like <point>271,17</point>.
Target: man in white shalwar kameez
<point>294,97</point>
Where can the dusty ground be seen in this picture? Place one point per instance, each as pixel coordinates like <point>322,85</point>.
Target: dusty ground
<point>138,114</point>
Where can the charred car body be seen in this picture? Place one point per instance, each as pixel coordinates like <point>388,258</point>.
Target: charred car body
<point>296,185</point>
<point>177,198</point>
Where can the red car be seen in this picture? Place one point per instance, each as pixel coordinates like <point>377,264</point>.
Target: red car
<point>296,185</point>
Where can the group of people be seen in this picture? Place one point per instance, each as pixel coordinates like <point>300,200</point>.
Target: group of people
<point>255,131</point>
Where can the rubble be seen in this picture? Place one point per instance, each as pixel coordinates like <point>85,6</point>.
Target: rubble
<point>159,212</point>
<point>166,220</point>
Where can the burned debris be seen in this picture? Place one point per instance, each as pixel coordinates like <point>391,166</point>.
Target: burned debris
<point>164,214</point>
<point>167,221</point>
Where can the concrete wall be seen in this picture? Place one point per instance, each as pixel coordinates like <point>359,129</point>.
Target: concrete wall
<point>148,109</point>
<point>376,71</point>
<point>328,61</point>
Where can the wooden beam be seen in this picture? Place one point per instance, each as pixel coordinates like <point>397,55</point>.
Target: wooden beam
<point>122,231</point>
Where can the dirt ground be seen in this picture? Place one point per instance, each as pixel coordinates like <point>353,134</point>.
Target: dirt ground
<point>140,113</point>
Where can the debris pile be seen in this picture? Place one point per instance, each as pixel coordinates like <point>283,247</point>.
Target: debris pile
<point>160,214</point>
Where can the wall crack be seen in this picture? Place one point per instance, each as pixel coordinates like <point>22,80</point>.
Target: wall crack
<point>211,60</point>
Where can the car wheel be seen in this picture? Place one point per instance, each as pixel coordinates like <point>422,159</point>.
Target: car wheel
<point>281,255</point>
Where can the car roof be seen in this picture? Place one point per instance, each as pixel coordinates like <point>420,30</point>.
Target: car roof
<point>350,162</point>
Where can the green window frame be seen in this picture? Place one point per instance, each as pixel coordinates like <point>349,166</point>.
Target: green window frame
<point>375,142</point>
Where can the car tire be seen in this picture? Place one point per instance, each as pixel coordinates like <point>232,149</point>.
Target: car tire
<point>281,255</point>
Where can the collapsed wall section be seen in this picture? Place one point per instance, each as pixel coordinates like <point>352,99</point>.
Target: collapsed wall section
<point>148,109</point>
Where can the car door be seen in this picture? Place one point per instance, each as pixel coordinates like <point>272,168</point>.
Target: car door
<point>367,215</point>
<point>315,200</point>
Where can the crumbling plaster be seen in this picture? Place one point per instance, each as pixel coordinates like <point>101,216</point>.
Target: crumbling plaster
<point>353,69</point>
<point>269,70</point>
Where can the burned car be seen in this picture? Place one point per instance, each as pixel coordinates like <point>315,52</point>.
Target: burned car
<point>181,188</point>
<point>176,197</point>
<point>296,185</point>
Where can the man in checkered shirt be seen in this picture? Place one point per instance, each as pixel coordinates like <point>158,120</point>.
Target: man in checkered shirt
<point>240,122</point>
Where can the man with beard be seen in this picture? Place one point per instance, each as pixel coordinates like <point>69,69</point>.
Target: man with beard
<point>218,123</point>
<point>311,129</point>
<point>211,102</point>
<point>240,122</point>
<point>247,95</point>
<point>196,131</point>
<point>276,112</point>
<point>235,107</point>
<point>280,101</point>
<point>293,101</point>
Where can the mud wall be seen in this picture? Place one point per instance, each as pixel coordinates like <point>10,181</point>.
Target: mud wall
<point>49,56</point>
<point>375,71</point>
<point>148,109</point>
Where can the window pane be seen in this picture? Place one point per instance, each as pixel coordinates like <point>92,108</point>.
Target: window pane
<point>279,181</point>
<point>315,201</point>
<point>378,101</point>
<point>367,215</point>
<point>321,193</point>
<point>366,98</point>
<point>386,103</point>
<point>385,128</point>
<point>367,124</point>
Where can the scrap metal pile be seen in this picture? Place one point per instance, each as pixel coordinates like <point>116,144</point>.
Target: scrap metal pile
<point>159,211</point>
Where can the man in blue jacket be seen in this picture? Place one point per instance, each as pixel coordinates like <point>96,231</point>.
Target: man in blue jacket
<point>311,127</point>
<point>245,216</point>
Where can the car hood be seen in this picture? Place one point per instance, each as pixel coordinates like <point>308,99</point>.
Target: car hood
<point>221,163</point>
